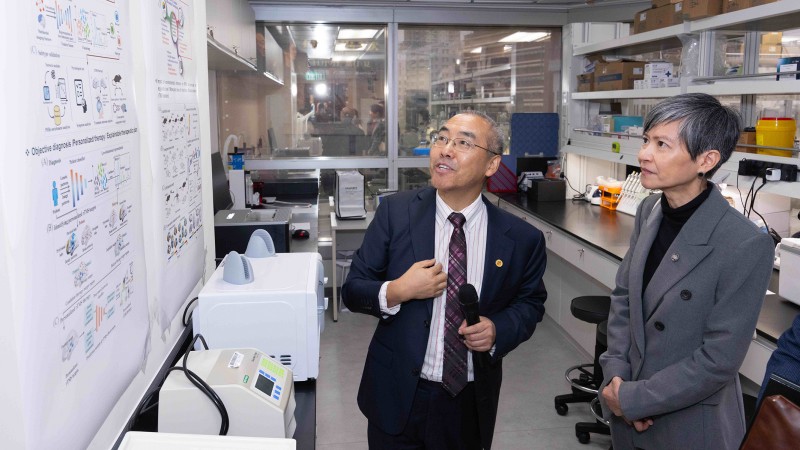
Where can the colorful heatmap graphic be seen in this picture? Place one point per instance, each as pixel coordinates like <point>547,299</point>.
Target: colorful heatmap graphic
<point>77,184</point>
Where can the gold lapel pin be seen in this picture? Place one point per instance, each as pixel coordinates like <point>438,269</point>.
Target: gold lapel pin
<point>499,263</point>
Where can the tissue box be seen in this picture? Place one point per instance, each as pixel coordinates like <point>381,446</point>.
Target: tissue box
<point>789,279</point>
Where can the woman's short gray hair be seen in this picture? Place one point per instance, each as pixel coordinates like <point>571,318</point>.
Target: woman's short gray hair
<point>705,124</point>
<point>496,137</point>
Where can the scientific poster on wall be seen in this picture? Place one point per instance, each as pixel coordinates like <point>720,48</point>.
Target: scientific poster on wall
<point>175,149</point>
<point>72,213</point>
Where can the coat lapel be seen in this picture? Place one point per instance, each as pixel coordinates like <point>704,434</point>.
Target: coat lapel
<point>422,223</point>
<point>636,273</point>
<point>688,249</point>
<point>499,247</point>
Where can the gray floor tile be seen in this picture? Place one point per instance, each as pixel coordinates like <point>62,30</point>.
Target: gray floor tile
<point>532,375</point>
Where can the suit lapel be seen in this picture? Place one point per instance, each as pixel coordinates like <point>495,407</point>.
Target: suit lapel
<point>636,273</point>
<point>422,223</point>
<point>499,248</point>
<point>688,249</point>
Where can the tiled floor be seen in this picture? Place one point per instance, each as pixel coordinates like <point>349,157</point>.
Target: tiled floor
<point>532,375</point>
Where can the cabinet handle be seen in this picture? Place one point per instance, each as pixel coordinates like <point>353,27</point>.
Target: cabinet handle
<point>580,252</point>
<point>549,234</point>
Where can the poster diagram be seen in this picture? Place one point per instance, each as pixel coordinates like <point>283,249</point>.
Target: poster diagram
<point>175,144</point>
<point>81,295</point>
<point>173,20</point>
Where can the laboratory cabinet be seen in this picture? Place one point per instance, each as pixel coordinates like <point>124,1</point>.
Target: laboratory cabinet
<point>573,269</point>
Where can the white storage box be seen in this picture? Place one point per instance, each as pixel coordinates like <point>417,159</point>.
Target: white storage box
<point>789,279</point>
<point>280,313</point>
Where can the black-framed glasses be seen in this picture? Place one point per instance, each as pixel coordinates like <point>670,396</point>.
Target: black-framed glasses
<point>463,145</point>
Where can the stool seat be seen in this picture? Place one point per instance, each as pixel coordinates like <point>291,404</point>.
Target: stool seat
<point>591,308</point>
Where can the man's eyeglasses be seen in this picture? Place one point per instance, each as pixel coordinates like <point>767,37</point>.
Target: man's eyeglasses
<point>462,144</point>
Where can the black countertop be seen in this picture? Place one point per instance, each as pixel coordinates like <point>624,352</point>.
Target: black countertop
<point>609,232</point>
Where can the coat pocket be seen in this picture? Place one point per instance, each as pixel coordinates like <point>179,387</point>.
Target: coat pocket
<point>380,354</point>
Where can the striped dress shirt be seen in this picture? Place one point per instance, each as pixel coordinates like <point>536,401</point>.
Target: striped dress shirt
<point>475,231</point>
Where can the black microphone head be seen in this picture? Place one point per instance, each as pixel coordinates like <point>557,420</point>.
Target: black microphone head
<point>467,294</point>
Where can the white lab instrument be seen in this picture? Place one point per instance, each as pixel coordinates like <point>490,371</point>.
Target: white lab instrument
<point>238,188</point>
<point>143,440</point>
<point>257,391</point>
<point>633,193</point>
<point>789,278</point>
<point>280,311</point>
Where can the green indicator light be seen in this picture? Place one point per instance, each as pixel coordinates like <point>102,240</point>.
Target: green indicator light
<point>246,379</point>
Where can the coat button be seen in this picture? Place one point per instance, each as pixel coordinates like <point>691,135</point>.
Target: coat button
<point>427,323</point>
<point>686,294</point>
<point>415,372</point>
<point>659,326</point>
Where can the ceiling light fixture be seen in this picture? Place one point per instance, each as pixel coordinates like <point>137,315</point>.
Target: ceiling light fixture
<point>349,33</point>
<point>350,46</point>
<point>525,36</point>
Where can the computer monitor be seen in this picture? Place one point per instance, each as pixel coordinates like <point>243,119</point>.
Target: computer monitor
<point>222,193</point>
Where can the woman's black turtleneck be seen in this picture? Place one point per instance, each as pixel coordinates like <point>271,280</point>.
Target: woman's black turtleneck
<point>671,224</point>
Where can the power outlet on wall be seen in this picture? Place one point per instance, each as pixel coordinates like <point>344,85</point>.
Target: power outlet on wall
<point>756,168</point>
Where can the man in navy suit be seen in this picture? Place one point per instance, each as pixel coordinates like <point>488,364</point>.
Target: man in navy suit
<point>402,275</point>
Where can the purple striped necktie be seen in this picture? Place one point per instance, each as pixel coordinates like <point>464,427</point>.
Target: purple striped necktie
<point>454,359</point>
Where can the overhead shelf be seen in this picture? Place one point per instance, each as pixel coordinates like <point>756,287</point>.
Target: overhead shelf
<point>778,16</point>
<point>650,41</point>
<point>627,93</point>
<point>221,57</point>
<point>470,101</point>
<point>747,86</point>
<point>476,74</point>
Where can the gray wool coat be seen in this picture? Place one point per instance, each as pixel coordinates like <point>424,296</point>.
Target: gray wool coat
<point>678,346</point>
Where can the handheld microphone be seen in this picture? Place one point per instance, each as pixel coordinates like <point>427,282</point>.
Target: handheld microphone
<point>468,298</point>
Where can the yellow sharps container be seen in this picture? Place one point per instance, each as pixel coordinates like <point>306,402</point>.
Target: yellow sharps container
<point>775,132</point>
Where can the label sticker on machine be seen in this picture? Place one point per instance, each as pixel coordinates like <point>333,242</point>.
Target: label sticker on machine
<point>236,360</point>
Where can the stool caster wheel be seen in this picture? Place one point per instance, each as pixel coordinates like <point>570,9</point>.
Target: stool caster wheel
<point>583,437</point>
<point>561,409</point>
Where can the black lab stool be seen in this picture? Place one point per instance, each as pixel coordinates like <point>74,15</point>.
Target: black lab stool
<point>592,309</point>
<point>600,425</point>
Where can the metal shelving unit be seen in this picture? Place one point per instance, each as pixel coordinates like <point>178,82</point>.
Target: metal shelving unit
<point>778,16</point>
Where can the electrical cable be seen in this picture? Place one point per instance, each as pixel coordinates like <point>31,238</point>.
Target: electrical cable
<point>580,195</point>
<point>195,380</point>
<point>186,309</point>
<point>203,386</point>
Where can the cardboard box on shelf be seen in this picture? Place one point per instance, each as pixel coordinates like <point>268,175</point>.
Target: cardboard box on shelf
<point>669,15</point>
<point>771,38</point>
<point>617,75</point>
<point>734,5</point>
<point>748,137</point>
<point>641,22</point>
<point>658,70</point>
<point>770,49</point>
<point>700,9</point>
<point>660,3</point>
<point>585,82</point>
<point>656,83</point>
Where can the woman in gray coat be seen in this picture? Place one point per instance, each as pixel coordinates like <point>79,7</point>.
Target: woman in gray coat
<point>688,291</point>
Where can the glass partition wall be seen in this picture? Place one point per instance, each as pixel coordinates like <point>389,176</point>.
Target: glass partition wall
<point>327,104</point>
